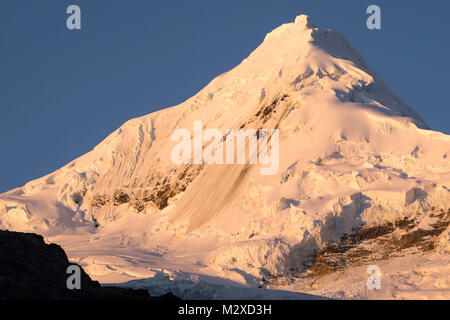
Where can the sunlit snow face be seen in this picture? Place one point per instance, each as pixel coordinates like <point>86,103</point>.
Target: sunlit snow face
<point>228,148</point>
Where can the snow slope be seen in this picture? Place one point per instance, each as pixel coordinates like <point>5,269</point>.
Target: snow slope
<point>351,154</point>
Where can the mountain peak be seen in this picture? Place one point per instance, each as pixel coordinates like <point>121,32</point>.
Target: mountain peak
<point>305,20</point>
<point>347,152</point>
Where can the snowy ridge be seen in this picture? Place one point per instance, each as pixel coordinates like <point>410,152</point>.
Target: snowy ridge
<point>350,153</point>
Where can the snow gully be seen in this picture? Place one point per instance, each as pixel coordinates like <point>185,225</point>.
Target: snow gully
<point>233,140</point>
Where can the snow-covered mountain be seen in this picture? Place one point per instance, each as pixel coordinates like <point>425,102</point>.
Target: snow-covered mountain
<point>357,166</point>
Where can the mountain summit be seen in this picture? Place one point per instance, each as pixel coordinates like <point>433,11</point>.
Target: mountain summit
<point>351,155</point>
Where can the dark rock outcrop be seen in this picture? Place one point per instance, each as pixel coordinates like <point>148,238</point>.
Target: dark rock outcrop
<point>30,269</point>
<point>374,243</point>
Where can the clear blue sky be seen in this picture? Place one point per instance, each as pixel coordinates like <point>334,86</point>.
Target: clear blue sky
<point>62,92</point>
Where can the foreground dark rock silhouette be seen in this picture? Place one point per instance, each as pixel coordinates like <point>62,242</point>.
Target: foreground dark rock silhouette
<point>30,269</point>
